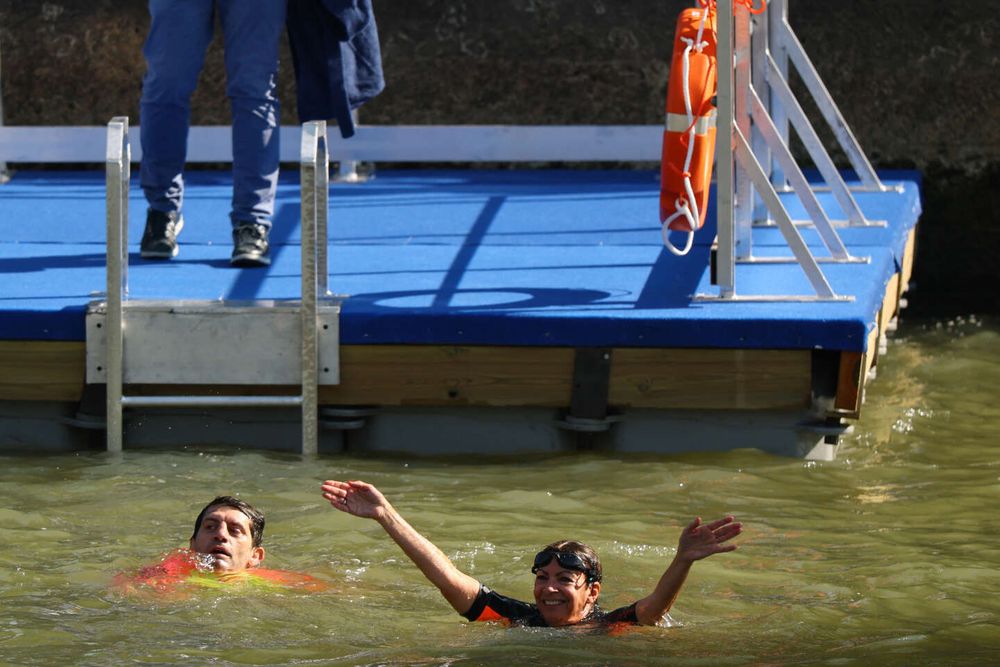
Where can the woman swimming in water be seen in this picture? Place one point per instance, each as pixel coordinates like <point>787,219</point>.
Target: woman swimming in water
<point>567,573</point>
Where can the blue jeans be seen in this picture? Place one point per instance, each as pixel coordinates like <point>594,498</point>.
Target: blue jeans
<point>179,35</point>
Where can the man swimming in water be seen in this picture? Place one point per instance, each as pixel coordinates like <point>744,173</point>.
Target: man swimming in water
<point>567,574</point>
<point>225,547</point>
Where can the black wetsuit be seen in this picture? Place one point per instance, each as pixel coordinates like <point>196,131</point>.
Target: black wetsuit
<point>491,606</point>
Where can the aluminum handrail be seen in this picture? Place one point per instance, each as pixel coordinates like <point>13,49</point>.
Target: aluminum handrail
<point>372,143</point>
<point>783,157</point>
<point>314,168</point>
<point>741,177</point>
<point>117,170</point>
<point>824,100</point>
<point>725,161</point>
<point>814,145</point>
<point>314,193</point>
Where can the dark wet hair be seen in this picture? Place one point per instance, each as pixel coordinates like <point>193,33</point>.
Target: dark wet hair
<point>255,515</point>
<point>586,554</point>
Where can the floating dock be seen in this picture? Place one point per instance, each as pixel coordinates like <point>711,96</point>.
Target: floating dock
<point>498,312</point>
<point>473,299</point>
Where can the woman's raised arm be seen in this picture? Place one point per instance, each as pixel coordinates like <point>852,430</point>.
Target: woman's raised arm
<point>696,542</point>
<point>364,500</point>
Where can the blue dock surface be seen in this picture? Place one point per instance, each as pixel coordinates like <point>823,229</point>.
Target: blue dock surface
<point>459,257</point>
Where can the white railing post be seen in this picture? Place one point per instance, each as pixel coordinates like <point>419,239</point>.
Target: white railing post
<point>743,215</point>
<point>724,163</point>
<point>759,45</point>
<point>776,17</point>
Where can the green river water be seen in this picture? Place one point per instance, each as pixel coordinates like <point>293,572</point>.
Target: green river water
<point>887,556</point>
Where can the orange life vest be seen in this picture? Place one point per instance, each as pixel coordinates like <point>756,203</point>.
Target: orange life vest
<point>178,569</point>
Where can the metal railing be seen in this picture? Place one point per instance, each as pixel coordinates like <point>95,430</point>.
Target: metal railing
<point>757,109</point>
<point>372,143</point>
<point>315,168</point>
<point>787,49</point>
<point>117,179</point>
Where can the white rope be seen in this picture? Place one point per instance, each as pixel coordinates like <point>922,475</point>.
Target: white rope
<point>690,212</point>
<point>682,209</point>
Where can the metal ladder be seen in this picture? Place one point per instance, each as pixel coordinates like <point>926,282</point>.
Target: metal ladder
<point>164,342</point>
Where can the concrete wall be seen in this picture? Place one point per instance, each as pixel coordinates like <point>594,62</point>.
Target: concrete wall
<point>915,78</point>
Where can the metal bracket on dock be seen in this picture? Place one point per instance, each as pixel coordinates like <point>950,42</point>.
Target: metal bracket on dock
<point>588,412</point>
<point>184,343</point>
<point>345,418</point>
<point>756,108</point>
<point>823,437</point>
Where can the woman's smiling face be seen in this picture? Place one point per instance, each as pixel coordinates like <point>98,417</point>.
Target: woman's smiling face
<point>563,596</point>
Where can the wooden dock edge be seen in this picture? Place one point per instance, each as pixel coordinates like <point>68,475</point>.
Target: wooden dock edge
<point>484,376</point>
<point>502,376</point>
<point>856,368</point>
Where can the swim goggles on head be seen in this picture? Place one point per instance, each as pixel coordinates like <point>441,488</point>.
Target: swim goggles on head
<point>566,559</point>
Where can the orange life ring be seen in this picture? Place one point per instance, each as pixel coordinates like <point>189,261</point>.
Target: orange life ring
<point>689,131</point>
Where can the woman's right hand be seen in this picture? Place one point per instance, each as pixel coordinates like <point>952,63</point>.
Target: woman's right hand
<point>703,540</point>
<point>357,498</point>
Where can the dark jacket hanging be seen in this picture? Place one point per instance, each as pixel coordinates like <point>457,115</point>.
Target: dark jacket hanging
<point>335,51</point>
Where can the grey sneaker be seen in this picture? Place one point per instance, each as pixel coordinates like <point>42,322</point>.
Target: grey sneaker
<point>159,239</point>
<point>250,246</point>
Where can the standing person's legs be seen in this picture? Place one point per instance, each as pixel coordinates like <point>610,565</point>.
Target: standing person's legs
<point>179,33</point>
<point>252,30</point>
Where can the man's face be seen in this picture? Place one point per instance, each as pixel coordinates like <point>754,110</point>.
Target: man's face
<point>563,596</point>
<point>225,534</point>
